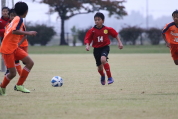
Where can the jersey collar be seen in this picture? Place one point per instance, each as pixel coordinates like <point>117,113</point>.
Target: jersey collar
<point>99,28</point>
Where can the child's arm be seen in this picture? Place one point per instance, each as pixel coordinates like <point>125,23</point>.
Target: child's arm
<point>22,40</point>
<point>88,39</point>
<point>87,47</point>
<point>120,45</point>
<point>164,37</point>
<point>18,32</point>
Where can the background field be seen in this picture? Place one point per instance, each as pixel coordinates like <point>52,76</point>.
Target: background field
<point>145,87</point>
<point>114,49</point>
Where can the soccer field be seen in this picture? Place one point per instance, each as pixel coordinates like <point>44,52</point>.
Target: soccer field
<point>145,87</point>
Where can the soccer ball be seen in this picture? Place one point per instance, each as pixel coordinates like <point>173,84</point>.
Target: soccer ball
<point>56,81</point>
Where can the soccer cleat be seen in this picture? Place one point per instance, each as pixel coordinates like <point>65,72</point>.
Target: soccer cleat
<point>21,88</point>
<point>103,80</point>
<point>110,80</point>
<point>2,91</point>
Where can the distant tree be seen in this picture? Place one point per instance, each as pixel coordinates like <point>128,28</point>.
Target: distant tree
<point>69,8</point>
<point>154,34</point>
<point>44,34</point>
<point>82,33</point>
<point>131,34</point>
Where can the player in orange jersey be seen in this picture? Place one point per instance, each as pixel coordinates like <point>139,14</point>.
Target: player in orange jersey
<point>170,35</point>
<point>11,51</point>
<point>23,43</point>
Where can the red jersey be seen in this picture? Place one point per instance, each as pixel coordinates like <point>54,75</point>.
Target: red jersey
<point>99,37</point>
<point>171,33</point>
<point>3,22</point>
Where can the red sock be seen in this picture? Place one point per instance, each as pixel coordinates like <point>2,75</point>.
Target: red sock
<point>101,72</point>
<point>5,82</point>
<point>107,69</point>
<point>18,67</point>
<point>23,76</point>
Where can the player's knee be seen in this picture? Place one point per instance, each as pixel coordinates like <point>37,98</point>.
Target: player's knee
<point>32,63</point>
<point>12,74</point>
<point>103,60</point>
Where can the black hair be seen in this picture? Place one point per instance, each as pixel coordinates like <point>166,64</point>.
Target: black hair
<point>175,12</point>
<point>11,11</point>
<point>21,8</point>
<point>99,14</point>
<point>5,8</point>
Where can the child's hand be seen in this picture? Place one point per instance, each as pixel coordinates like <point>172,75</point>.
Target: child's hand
<point>32,33</point>
<point>168,45</point>
<point>87,47</point>
<point>120,46</point>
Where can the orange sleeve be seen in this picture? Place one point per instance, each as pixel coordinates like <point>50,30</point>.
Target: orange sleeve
<point>16,23</point>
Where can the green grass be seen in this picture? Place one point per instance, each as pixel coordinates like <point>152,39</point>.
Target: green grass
<point>145,87</point>
<point>81,49</point>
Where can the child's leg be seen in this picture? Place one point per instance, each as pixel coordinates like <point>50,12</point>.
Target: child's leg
<point>25,71</point>
<point>9,62</point>
<point>106,66</point>
<point>100,70</point>
<point>18,67</point>
<point>24,74</point>
<point>8,77</point>
<point>107,69</point>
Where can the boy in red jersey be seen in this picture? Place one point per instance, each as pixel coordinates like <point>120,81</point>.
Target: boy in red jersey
<point>3,21</point>
<point>11,51</point>
<point>99,37</point>
<point>170,35</point>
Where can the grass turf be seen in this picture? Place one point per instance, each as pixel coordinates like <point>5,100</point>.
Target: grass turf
<point>145,87</point>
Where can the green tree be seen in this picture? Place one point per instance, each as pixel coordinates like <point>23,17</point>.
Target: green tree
<point>44,34</point>
<point>154,34</point>
<point>69,8</point>
<point>82,33</point>
<point>131,34</point>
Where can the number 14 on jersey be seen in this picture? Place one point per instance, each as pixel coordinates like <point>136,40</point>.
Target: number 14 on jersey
<point>100,38</point>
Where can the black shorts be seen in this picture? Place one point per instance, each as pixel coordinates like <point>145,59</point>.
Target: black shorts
<point>98,52</point>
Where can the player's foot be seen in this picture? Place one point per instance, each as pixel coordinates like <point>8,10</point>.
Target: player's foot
<point>103,80</point>
<point>21,88</point>
<point>2,91</point>
<point>110,80</point>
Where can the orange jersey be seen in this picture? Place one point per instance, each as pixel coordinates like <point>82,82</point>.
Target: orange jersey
<point>10,41</point>
<point>171,33</point>
<point>25,42</point>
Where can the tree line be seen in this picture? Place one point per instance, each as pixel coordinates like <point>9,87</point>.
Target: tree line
<point>129,35</point>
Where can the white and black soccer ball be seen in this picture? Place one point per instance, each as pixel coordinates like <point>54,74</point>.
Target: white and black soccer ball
<point>56,81</point>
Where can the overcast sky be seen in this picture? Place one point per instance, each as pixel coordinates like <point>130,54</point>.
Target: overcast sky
<point>156,8</point>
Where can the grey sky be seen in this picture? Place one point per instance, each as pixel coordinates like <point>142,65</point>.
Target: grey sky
<point>156,8</point>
